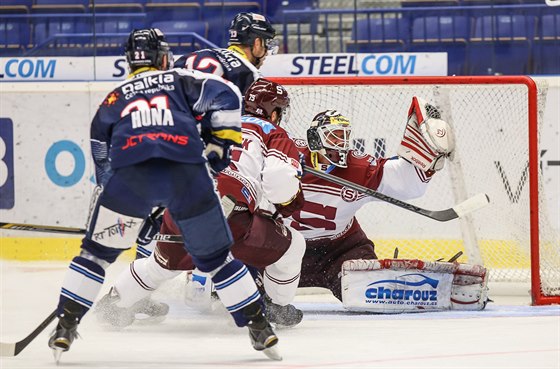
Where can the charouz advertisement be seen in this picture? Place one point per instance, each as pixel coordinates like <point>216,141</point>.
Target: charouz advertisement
<point>396,291</point>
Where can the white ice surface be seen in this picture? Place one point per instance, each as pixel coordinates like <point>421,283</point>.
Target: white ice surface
<point>508,334</point>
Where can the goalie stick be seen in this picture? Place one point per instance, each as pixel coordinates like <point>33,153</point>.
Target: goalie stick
<point>474,203</point>
<point>13,349</point>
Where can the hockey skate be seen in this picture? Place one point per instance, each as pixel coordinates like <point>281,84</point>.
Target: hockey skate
<point>262,336</point>
<point>66,330</point>
<point>282,316</point>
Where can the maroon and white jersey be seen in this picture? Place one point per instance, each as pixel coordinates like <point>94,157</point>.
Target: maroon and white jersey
<point>266,166</point>
<point>330,209</point>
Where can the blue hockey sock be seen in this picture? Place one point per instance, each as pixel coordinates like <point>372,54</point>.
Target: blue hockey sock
<point>236,288</point>
<point>81,284</point>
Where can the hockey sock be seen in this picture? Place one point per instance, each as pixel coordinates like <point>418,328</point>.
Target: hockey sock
<point>81,284</point>
<point>236,288</point>
<point>141,278</point>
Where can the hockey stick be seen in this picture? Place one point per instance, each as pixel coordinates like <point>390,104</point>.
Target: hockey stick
<point>13,349</point>
<point>474,203</point>
<point>68,230</point>
<point>41,228</point>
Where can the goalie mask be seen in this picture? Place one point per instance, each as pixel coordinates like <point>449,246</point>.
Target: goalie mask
<point>264,97</point>
<point>148,48</point>
<point>329,135</point>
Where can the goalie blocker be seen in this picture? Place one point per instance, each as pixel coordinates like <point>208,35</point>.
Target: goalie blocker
<point>405,286</point>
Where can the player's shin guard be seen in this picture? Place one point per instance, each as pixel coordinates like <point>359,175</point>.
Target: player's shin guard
<point>281,279</point>
<point>81,284</point>
<point>236,288</point>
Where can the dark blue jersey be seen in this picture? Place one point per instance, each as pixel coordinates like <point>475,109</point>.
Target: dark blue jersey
<point>231,64</point>
<point>160,114</point>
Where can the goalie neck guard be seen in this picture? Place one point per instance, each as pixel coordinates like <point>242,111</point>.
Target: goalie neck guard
<point>329,136</point>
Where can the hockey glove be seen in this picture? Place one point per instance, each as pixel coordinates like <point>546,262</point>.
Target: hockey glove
<point>288,208</point>
<point>218,156</point>
<point>427,139</point>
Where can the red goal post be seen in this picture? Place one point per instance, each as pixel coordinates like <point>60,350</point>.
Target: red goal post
<point>497,123</point>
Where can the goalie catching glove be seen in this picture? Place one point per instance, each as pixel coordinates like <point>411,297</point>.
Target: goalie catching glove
<point>427,139</point>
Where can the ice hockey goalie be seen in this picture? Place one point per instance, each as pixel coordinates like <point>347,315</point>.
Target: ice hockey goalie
<point>409,285</point>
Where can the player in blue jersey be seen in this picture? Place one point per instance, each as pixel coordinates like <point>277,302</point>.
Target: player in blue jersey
<point>251,38</point>
<point>148,153</point>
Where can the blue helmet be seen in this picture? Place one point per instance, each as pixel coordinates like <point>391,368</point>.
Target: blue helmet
<point>246,27</point>
<point>148,48</point>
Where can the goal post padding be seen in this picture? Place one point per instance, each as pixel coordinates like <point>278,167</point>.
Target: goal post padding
<point>496,121</point>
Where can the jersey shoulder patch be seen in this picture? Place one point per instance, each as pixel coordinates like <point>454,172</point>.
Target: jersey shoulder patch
<point>359,158</point>
<point>300,142</point>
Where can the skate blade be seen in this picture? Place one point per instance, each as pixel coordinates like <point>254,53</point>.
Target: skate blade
<point>57,353</point>
<point>273,353</point>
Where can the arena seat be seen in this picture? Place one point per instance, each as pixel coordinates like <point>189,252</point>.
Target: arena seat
<point>26,3</point>
<point>219,16</point>
<point>172,11</point>
<point>500,44</point>
<point>107,6</point>
<point>46,27</point>
<point>110,23</point>
<point>60,6</point>
<point>443,34</point>
<point>546,45</point>
<point>386,34</point>
<point>14,35</point>
<point>179,42</point>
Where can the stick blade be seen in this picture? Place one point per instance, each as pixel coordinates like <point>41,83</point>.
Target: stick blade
<point>474,203</point>
<point>7,349</point>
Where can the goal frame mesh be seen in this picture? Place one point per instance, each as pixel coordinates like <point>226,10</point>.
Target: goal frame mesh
<point>538,298</point>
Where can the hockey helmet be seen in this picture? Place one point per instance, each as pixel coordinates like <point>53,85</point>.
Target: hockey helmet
<point>148,47</point>
<point>329,135</point>
<point>246,27</point>
<point>264,96</point>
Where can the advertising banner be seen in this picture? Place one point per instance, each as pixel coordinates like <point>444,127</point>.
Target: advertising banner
<point>114,68</point>
<point>363,64</point>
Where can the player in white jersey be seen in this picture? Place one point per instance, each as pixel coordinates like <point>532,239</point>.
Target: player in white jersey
<point>327,220</point>
<point>266,166</point>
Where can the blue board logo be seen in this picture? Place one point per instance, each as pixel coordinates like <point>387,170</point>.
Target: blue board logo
<point>7,195</point>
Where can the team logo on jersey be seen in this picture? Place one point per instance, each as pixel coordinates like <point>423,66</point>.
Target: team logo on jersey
<point>348,194</point>
<point>300,142</point>
<point>358,154</point>
<point>111,99</point>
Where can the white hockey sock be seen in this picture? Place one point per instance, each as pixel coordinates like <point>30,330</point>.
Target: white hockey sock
<point>140,280</point>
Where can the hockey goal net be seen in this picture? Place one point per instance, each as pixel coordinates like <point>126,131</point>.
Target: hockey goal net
<point>496,122</point>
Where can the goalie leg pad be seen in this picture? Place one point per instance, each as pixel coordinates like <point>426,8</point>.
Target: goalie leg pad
<point>398,286</point>
<point>470,288</point>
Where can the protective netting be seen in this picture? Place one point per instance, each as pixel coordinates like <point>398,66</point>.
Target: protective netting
<point>491,124</point>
